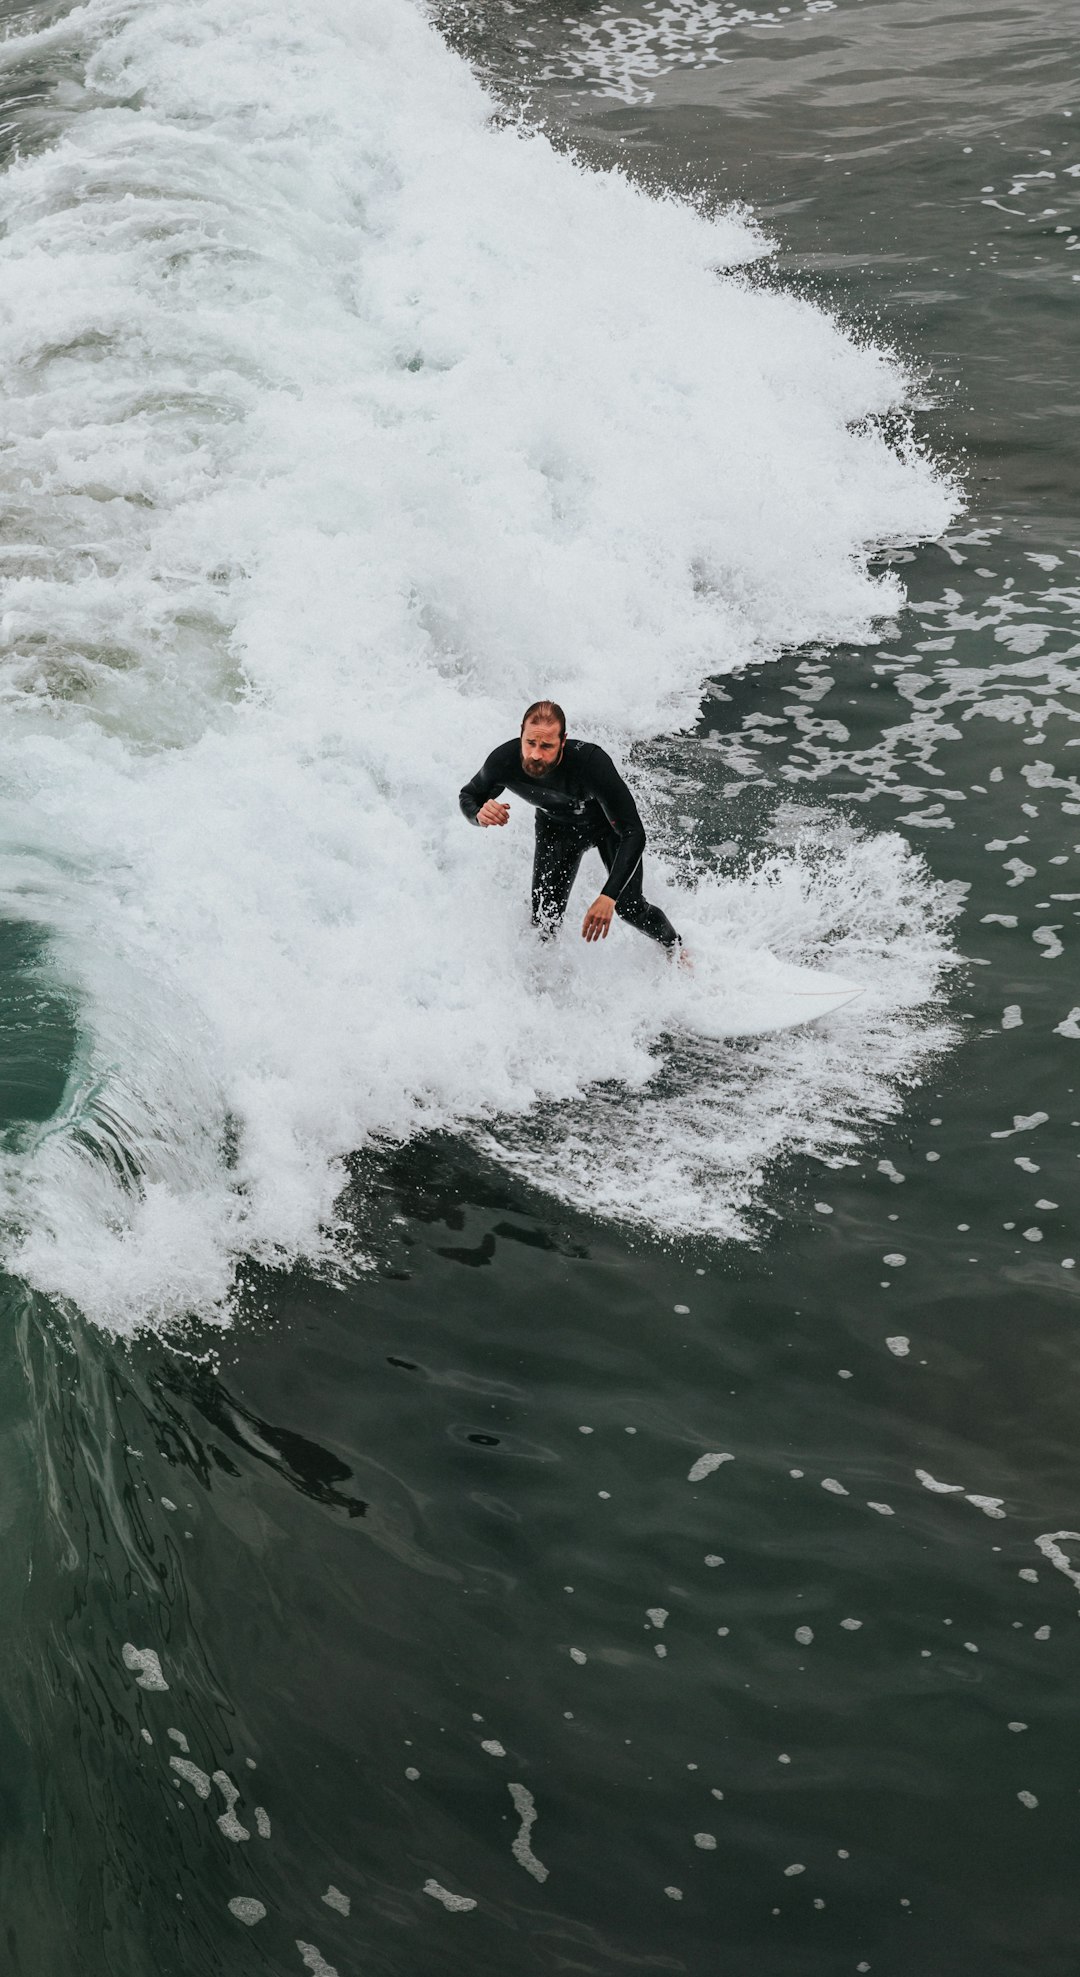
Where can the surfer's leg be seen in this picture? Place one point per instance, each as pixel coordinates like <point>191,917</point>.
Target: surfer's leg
<point>559,851</point>
<point>631,904</point>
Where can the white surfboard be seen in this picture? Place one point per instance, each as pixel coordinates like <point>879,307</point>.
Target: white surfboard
<point>759,995</point>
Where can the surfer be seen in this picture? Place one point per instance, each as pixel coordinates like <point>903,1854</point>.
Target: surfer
<point>581,802</point>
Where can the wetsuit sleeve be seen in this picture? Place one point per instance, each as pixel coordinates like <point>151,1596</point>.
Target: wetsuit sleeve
<point>486,783</point>
<point>610,791</point>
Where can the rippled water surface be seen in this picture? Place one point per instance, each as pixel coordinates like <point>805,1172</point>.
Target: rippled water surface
<point>496,1475</point>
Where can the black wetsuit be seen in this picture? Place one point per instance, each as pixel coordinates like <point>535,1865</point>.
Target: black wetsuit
<point>581,803</point>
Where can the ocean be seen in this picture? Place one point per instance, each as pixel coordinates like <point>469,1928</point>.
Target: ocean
<point>498,1475</point>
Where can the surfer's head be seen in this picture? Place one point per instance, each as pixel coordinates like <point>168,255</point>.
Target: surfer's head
<point>543,733</point>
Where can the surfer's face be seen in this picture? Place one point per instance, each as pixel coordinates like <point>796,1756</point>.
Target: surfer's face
<point>541,747</point>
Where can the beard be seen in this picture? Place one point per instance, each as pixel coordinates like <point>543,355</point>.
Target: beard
<point>538,769</point>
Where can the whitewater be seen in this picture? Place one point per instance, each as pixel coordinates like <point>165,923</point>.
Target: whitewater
<point>341,420</point>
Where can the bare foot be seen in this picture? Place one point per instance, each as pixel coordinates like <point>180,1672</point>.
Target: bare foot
<point>686,959</point>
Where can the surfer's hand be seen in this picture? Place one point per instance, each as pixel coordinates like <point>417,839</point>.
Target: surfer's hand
<point>598,918</point>
<point>492,812</point>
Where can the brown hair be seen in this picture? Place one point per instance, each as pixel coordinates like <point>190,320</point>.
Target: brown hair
<point>544,710</point>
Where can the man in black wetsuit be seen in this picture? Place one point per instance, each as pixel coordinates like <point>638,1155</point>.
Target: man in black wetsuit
<point>581,801</point>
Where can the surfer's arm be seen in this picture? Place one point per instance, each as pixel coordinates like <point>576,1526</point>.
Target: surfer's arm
<point>610,791</point>
<point>479,793</point>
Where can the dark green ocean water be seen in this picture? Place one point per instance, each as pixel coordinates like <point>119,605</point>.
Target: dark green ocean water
<point>421,1556</point>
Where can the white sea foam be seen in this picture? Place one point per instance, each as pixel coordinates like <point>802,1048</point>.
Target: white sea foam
<point>619,50</point>
<point>146,1662</point>
<point>247,1909</point>
<point>340,423</point>
<point>457,1904</point>
<point>187,1769</point>
<point>521,1846</point>
<point>314,1960</point>
<point>705,1465</point>
<point>229,1823</point>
